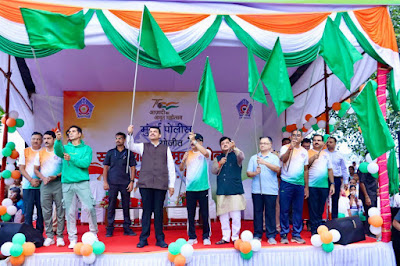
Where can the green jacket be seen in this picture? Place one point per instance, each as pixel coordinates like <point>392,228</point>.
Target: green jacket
<point>77,170</point>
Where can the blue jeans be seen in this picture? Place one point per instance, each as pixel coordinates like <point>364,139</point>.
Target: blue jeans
<point>291,195</point>
<point>316,206</point>
<point>265,203</point>
<point>31,199</point>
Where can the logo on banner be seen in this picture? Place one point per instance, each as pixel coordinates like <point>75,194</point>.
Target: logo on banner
<point>242,109</point>
<point>161,110</point>
<point>83,108</point>
<point>165,105</point>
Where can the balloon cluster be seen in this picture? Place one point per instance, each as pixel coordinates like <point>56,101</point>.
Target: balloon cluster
<point>375,220</point>
<point>247,245</point>
<point>7,209</point>
<point>11,153</point>
<point>312,122</point>
<point>180,252</point>
<point>18,249</point>
<point>325,238</point>
<point>12,121</point>
<point>369,166</point>
<point>89,248</point>
<point>341,108</point>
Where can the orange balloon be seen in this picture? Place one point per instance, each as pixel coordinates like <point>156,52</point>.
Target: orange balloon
<point>308,116</point>
<point>179,260</point>
<point>304,129</point>
<point>77,248</point>
<point>336,106</point>
<point>237,244</point>
<point>3,119</point>
<point>15,174</point>
<point>348,100</point>
<point>16,261</point>
<point>11,122</point>
<point>321,117</point>
<point>3,210</point>
<point>29,248</point>
<point>14,155</point>
<point>86,249</point>
<point>375,220</point>
<point>321,229</point>
<point>171,257</point>
<point>245,247</point>
<point>291,127</point>
<point>326,237</point>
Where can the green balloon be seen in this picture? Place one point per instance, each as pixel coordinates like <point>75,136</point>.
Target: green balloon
<point>11,145</point>
<point>12,129</point>
<point>6,217</point>
<point>363,167</point>
<point>326,137</point>
<point>6,152</point>
<point>19,238</point>
<point>20,122</point>
<point>342,112</point>
<point>331,128</point>
<point>376,175</point>
<point>180,242</point>
<point>284,129</point>
<point>315,127</point>
<point>328,247</point>
<point>341,215</point>
<point>174,249</point>
<point>16,250</point>
<point>247,256</point>
<point>344,106</point>
<point>6,174</point>
<point>98,247</point>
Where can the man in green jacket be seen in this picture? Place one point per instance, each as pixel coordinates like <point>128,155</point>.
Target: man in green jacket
<point>75,179</point>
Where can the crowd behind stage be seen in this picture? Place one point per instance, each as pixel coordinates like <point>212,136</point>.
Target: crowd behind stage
<point>304,171</point>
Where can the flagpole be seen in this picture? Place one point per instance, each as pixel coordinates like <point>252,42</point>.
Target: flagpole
<point>194,115</point>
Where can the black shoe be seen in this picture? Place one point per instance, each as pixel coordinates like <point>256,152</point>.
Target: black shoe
<point>129,232</point>
<point>109,232</point>
<point>162,244</point>
<point>142,244</point>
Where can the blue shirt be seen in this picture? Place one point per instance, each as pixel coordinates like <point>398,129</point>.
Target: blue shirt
<point>269,179</point>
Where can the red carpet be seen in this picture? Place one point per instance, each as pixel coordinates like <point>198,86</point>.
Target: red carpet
<point>126,244</point>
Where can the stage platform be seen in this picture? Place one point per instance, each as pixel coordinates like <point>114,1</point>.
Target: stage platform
<point>122,251</point>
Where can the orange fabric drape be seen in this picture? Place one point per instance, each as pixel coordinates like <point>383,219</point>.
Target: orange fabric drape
<point>377,24</point>
<point>287,23</point>
<point>168,22</point>
<point>10,9</point>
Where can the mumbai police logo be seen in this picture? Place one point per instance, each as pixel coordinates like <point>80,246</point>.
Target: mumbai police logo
<point>83,108</point>
<point>244,109</point>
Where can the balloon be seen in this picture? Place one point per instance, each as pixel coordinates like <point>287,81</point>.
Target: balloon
<point>10,160</point>
<point>13,114</point>
<point>255,245</point>
<point>16,261</point>
<point>345,106</point>
<point>10,145</point>
<point>286,134</point>
<point>331,128</point>
<point>16,250</point>
<point>19,238</point>
<point>316,240</point>
<point>326,237</point>
<point>179,260</point>
<point>11,122</point>
<point>373,168</point>
<point>187,251</point>
<point>246,235</point>
<point>308,116</point>
<point>12,210</point>
<point>10,167</point>
<point>3,119</point>
<point>7,202</point>
<point>328,247</point>
<point>20,122</point>
<point>368,158</point>
<point>321,117</point>
<point>9,181</point>
<point>321,124</point>
<point>342,112</point>
<point>315,127</point>
<point>245,247</point>
<point>12,129</point>
<point>326,137</point>
<point>14,154</point>
<point>376,175</point>
<point>307,125</point>
<point>363,167</point>
<point>77,248</point>
<point>247,256</point>
<point>299,124</point>
<point>312,120</point>
<point>6,152</point>
<point>375,230</point>
<point>98,247</point>
<point>237,244</point>
<point>15,174</point>
<point>291,127</point>
<point>89,259</point>
<point>6,174</point>
<point>375,221</point>
<point>371,211</point>
<point>332,121</point>
<point>171,257</point>
<point>89,238</point>
<point>304,129</point>
<point>336,235</point>
<point>180,242</point>
<point>5,248</point>
<point>29,249</point>
<point>283,129</point>
<point>336,106</point>
<point>86,250</point>
<point>3,210</point>
<point>321,229</point>
<point>173,248</point>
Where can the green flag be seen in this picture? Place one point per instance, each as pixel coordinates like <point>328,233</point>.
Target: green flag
<point>47,30</point>
<point>254,78</point>
<point>393,173</point>
<point>338,53</point>
<point>394,98</point>
<point>276,79</point>
<point>208,99</point>
<point>156,44</point>
<point>373,126</point>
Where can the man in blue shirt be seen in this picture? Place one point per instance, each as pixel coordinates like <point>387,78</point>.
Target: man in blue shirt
<point>263,168</point>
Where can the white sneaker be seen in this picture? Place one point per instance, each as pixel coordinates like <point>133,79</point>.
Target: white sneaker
<point>72,244</point>
<point>60,242</point>
<point>206,242</point>
<point>192,241</point>
<point>48,241</point>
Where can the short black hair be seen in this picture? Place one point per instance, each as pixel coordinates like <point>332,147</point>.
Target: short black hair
<point>158,128</point>
<point>266,137</point>
<point>296,130</point>
<point>318,135</point>
<point>285,139</point>
<point>351,167</point>
<point>50,133</point>
<point>121,134</point>
<point>222,139</point>
<point>18,191</point>
<point>77,128</point>
<point>333,139</point>
<point>306,141</point>
<point>37,133</point>
<point>353,186</point>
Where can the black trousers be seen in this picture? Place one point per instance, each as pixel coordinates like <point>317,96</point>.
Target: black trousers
<point>191,202</point>
<point>264,204</point>
<point>374,203</point>
<point>153,201</point>
<point>316,206</point>
<point>335,197</point>
<point>31,199</point>
<point>125,200</point>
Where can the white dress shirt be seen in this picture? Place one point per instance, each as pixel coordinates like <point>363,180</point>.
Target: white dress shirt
<point>339,165</point>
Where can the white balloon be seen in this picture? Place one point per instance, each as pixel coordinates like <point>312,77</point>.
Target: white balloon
<point>7,202</point>
<point>375,230</point>
<point>373,211</point>
<point>332,121</point>
<point>316,240</point>
<point>10,160</point>
<point>307,125</point>
<point>255,245</point>
<point>246,235</point>
<point>89,259</point>
<point>286,134</point>
<point>187,251</point>
<point>368,158</point>
<point>12,210</point>
<point>321,124</point>
<point>336,235</point>
<point>312,120</point>
<point>89,238</point>
<point>5,248</point>
<point>299,124</point>
<point>373,168</point>
<point>13,114</point>
<point>10,167</point>
<point>9,181</point>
